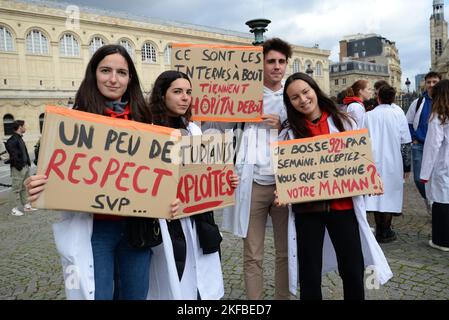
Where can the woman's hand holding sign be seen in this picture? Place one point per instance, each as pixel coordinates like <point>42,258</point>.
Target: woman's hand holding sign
<point>272,120</point>
<point>276,200</point>
<point>34,186</point>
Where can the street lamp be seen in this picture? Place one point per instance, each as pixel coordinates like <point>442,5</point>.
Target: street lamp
<point>309,70</point>
<point>407,83</point>
<point>258,27</point>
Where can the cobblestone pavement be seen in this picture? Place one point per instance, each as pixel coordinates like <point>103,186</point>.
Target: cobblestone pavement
<point>30,267</point>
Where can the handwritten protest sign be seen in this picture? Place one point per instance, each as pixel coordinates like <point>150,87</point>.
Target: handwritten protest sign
<point>111,166</point>
<point>325,167</point>
<point>207,164</point>
<point>227,81</point>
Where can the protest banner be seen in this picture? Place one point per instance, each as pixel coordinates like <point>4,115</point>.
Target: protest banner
<point>104,165</point>
<point>112,166</point>
<point>227,81</point>
<point>325,167</point>
<point>207,164</point>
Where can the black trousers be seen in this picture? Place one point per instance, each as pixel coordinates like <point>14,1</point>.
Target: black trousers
<point>343,230</point>
<point>440,224</point>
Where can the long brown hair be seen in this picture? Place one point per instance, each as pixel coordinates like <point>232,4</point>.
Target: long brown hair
<point>88,98</point>
<point>297,120</point>
<point>354,90</point>
<point>157,105</point>
<point>440,101</point>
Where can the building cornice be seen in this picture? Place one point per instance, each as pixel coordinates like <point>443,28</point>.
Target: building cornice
<point>30,9</point>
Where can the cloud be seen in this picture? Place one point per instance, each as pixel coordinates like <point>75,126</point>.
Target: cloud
<point>305,23</point>
<point>328,22</point>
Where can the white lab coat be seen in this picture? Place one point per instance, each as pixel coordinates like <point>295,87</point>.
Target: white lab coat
<point>202,272</point>
<point>73,241</point>
<point>236,218</point>
<point>372,253</point>
<point>413,115</point>
<point>356,111</point>
<point>388,129</point>
<point>435,161</point>
<point>72,236</point>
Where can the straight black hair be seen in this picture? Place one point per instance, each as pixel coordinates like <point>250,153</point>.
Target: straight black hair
<point>158,107</point>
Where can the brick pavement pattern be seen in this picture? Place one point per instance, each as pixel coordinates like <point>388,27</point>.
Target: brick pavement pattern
<point>30,266</point>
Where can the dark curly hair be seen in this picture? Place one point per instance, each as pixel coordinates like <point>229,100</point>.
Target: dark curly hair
<point>158,107</point>
<point>279,45</point>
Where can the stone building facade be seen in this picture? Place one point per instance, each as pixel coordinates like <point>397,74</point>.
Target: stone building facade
<point>344,74</point>
<point>375,49</point>
<point>439,43</point>
<point>45,47</point>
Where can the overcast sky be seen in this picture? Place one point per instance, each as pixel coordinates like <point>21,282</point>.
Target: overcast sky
<point>305,23</point>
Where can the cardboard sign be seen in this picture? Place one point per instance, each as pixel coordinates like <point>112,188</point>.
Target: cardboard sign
<point>112,166</point>
<point>207,164</point>
<point>227,81</point>
<point>325,167</point>
<point>108,166</point>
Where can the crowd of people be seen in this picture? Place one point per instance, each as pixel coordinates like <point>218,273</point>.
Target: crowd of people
<point>310,238</point>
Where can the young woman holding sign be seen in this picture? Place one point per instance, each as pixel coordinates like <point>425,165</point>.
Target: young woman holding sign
<point>194,241</point>
<point>99,260</point>
<point>339,227</point>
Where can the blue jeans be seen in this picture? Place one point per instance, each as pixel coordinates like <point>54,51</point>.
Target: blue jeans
<point>121,272</point>
<point>417,152</point>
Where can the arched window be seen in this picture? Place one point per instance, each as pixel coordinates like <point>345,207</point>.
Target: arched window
<point>167,55</point>
<point>6,41</point>
<point>296,66</point>
<point>308,67</point>
<point>128,46</point>
<point>37,42</point>
<point>95,44</point>
<point>8,123</point>
<point>69,46</point>
<point>148,53</point>
<point>41,122</point>
<point>319,69</point>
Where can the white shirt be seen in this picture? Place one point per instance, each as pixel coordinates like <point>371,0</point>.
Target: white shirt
<point>273,103</point>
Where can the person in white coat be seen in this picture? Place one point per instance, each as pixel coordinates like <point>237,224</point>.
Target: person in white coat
<point>255,194</point>
<point>391,147</point>
<point>98,258</point>
<point>191,245</point>
<point>355,95</point>
<point>418,118</point>
<point>336,230</point>
<point>435,165</point>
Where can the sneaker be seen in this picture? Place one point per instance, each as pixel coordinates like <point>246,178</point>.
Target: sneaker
<point>28,208</point>
<point>433,245</point>
<point>16,212</point>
